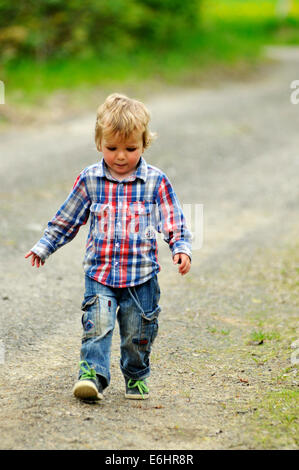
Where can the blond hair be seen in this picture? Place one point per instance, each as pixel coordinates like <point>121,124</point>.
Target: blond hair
<point>122,115</point>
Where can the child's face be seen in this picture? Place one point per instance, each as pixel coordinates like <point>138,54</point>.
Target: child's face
<point>122,155</point>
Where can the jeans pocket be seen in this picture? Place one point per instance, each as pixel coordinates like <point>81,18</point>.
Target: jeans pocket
<point>90,317</point>
<point>147,333</point>
<point>98,317</point>
<point>146,299</point>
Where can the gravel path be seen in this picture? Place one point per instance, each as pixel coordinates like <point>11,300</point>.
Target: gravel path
<point>233,149</point>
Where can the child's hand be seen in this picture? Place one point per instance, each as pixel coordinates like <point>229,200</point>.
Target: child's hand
<point>35,259</point>
<point>184,261</point>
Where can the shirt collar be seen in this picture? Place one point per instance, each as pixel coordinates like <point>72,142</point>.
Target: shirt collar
<point>140,172</point>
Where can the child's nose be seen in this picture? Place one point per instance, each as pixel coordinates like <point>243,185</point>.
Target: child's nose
<point>121,155</point>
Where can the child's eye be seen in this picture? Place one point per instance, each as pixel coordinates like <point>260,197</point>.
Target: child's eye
<point>131,149</point>
<point>111,148</point>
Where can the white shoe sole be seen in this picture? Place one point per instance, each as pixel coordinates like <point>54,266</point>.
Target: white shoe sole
<point>132,396</point>
<point>85,389</point>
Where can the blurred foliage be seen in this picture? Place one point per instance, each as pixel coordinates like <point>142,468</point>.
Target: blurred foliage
<point>49,45</point>
<point>43,29</point>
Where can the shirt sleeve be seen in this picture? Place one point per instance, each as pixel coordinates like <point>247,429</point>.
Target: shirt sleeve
<point>172,222</point>
<point>65,225</point>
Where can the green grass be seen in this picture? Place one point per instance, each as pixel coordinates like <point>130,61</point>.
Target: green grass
<point>261,336</point>
<point>230,39</point>
<point>276,420</point>
<point>258,336</point>
<point>213,330</point>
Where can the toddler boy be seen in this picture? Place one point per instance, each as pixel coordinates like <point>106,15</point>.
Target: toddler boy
<point>127,201</point>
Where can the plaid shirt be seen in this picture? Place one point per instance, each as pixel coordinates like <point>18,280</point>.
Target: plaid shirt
<point>121,247</point>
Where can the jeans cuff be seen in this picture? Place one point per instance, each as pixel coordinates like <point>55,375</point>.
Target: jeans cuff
<point>143,374</point>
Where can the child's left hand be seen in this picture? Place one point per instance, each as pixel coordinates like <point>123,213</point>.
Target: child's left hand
<point>184,261</point>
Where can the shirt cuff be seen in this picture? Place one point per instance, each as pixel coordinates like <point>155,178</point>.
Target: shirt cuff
<point>181,247</point>
<point>43,248</point>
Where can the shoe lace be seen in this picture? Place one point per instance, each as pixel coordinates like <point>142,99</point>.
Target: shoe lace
<point>142,387</point>
<point>88,373</point>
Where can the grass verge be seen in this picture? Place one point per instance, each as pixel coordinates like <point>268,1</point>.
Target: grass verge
<point>273,423</point>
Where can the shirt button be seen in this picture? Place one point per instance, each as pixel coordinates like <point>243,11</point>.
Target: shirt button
<point>116,263</point>
<point>117,244</point>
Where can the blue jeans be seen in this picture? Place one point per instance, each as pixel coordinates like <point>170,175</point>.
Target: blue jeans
<point>136,309</point>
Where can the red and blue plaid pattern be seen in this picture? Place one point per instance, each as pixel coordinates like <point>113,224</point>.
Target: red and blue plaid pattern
<point>125,216</point>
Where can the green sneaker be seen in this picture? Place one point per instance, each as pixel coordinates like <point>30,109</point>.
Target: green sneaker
<point>88,386</point>
<point>136,389</point>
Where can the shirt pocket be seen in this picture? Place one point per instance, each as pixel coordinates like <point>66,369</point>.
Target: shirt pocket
<point>101,220</point>
<point>141,220</point>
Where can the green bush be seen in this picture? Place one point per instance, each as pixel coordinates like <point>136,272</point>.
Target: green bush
<point>44,29</point>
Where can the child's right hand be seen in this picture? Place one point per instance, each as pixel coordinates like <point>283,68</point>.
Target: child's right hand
<point>35,259</point>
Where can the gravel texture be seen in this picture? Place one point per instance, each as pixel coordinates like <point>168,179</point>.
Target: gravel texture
<point>234,149</point>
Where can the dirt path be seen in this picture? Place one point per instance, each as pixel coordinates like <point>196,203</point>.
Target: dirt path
<point>222,375</point>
